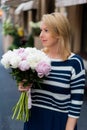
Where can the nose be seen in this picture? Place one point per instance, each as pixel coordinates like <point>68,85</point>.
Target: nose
<point>41,34</point>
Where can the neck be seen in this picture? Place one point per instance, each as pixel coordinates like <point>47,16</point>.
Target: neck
<point>53,53</point>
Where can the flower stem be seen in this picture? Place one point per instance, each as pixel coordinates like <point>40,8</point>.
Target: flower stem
<point>21,111</point>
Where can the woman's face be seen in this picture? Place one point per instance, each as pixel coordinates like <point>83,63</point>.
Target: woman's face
<point>46,37</point>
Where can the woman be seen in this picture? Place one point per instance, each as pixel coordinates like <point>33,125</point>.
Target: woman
<point>57,104</point>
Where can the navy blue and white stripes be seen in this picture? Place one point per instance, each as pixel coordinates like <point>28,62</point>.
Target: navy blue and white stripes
<point>63,89</point>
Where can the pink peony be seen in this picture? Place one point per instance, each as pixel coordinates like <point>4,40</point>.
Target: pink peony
<point>43,69</point>
<point>21,52</point>
<point>23,65</point>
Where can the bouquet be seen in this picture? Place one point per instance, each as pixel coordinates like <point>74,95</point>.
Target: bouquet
<point>28,65</point>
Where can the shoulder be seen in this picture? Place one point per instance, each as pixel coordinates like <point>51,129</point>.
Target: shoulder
<point>76,62</point>
<point>75,58</point>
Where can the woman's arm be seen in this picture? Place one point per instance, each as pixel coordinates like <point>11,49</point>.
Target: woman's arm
<point>71,123</point>
<point>77,91</point>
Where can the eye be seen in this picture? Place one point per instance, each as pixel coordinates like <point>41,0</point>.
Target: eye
<point>43,30</point>
<point>46,30</point>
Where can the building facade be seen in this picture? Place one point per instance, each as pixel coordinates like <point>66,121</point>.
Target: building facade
<point>75,10</point>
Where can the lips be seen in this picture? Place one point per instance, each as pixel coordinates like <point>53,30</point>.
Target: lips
<point>44,40</point>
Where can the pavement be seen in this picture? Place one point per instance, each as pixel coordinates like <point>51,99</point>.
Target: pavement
<point>9,96</point>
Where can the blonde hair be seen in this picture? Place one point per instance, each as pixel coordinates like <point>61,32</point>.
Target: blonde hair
<point>59,26</point>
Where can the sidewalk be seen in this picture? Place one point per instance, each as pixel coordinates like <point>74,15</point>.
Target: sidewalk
<point>85,64</point>
<point>82,125</point>
<point>82,122</point>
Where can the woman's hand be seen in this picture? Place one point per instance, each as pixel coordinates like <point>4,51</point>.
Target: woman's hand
<point>22,88</point>
<point>71,123</point>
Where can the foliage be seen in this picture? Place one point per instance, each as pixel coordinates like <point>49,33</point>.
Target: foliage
<point>9,28</point>
<point>19,40</point>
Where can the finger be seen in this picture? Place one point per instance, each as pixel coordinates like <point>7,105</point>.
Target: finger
<point>23,89</point>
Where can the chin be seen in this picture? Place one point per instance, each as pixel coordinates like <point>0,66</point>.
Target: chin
<point>44,45</point>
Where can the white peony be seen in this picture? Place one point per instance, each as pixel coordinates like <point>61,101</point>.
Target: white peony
<point>5,63</point>
<point>6,59</point>
<point>32,56</point>
<point>14,61</point>
<point>32,60</point>
<point>35,56</point>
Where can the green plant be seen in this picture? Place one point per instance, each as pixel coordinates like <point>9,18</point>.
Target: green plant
<point>9,28</point>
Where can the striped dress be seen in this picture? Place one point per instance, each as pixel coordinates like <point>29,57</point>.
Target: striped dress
<point>60,95</point>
